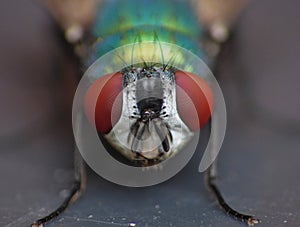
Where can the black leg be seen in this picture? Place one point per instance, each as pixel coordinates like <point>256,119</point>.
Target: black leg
<point>76,190</point>
<point>210,179</point>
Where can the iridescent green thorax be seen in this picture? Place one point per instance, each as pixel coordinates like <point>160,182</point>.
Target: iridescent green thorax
<point>121,22</point>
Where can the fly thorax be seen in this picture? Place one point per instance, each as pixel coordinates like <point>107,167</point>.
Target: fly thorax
<point>149,127</point>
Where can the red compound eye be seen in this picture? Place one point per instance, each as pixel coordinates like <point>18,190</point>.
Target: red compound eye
<point>199,93</point>
<point>101,97</point>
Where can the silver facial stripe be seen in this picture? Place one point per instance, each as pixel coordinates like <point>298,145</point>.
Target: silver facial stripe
<point>149,127</point>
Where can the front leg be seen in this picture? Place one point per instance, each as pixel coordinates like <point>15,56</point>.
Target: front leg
<point>75,192</point>
<point>210,180</point>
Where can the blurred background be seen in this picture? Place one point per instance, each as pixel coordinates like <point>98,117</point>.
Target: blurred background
<point>259,73</point>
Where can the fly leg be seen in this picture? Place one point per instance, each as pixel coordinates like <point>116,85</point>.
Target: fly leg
<point>75,192</point>
<point>210,179</point>
<point>211,182</point>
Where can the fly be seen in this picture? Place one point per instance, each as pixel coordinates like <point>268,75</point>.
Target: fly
<point>141,109</point>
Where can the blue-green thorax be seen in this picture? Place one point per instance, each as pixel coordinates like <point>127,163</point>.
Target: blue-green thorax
<point>121,22</point>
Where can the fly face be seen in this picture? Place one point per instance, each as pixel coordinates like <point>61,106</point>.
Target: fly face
<point>149,129</point>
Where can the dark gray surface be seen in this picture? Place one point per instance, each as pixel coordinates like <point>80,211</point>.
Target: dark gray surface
<point>259,161</point>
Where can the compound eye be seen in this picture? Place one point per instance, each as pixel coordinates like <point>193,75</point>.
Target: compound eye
<point>103,96</point>
<point>200,97</point>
